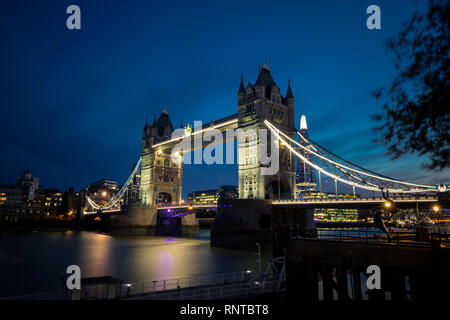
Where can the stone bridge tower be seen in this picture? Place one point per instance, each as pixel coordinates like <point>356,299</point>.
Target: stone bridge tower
<point>160,177</point>
<point>256,103</point>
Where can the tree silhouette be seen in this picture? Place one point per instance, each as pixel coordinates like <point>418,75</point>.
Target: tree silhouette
<point>415,115</point>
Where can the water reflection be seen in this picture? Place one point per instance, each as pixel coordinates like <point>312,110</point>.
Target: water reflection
<point>165,265</point>
<point>36,262</point>
<point>94,254</point>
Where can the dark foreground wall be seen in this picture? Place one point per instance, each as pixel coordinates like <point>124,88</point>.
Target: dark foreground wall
<point>321,269</point>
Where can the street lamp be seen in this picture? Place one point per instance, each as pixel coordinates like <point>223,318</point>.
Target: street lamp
<point>436,208</point>
<point>388,204</point>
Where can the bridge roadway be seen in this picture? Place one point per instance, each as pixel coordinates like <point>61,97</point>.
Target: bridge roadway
<point>353,202</point>
<point>401,202</point>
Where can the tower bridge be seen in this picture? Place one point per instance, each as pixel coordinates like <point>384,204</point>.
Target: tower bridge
<point>260,108</point>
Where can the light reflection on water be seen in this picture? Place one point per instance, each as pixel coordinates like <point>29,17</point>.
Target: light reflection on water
<point>35,262</point>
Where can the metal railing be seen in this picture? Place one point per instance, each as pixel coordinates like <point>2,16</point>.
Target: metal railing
<point>359,198</point>
<point>251,287</point>
<point>186,204</point>
<point>138,288</point>
<point>419,236</point>
<point>223,284</point>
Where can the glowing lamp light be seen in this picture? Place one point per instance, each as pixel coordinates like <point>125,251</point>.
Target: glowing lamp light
<point>387,204</point>
<point>190,208</point>
<point>436,208</point>
<point>104,193</point>
<point>159,151</point>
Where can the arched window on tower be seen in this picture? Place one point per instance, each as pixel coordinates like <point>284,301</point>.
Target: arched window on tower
<point>166,163</point>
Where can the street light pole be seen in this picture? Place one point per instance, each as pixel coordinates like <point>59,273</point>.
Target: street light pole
<point>259,258</point>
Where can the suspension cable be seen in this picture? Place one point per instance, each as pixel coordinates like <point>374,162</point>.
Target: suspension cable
<point>118,196</point>
<point>276,131</point>
<point>367,173</point>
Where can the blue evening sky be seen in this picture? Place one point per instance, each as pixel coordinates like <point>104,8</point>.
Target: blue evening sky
<point>73,103</point>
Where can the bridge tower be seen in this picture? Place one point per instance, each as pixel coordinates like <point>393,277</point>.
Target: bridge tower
<point>256,103</point>
<point>160,176</point>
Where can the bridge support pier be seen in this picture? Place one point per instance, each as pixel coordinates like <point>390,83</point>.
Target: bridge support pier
<point>242,223</point>
<point>290,222</point>
<point>186,225</point>
<point>190,225</point>
<point>136,219</point>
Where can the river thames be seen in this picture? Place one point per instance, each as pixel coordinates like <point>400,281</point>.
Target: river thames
<point>35,262</point>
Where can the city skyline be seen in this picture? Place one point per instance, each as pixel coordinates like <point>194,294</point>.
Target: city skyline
<point>87,98</point>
